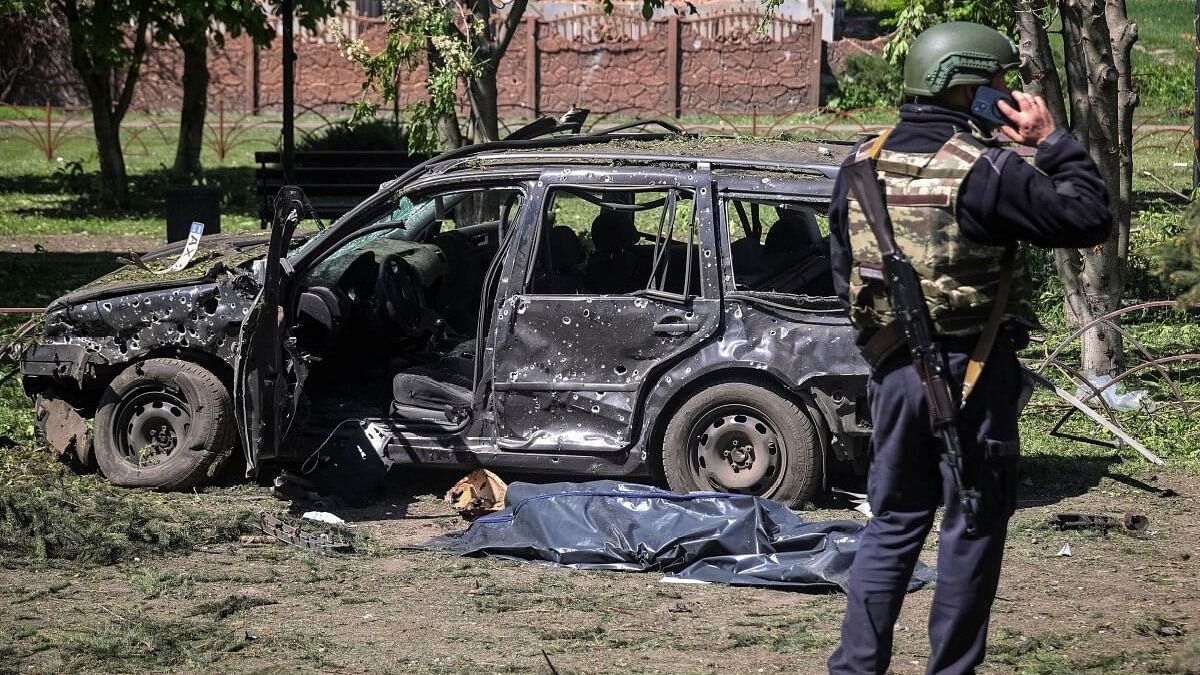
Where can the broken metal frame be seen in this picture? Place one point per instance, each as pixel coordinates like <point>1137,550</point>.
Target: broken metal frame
<point>1109,421</point>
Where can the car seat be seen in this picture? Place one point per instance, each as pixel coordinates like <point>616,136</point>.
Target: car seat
<point>616,266</point>
<point>797,257</point>
<point>421,397</point>
<point>565,256</point>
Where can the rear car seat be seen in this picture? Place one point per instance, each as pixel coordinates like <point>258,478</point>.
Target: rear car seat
<point>617,265</point>
<point>566,254</point>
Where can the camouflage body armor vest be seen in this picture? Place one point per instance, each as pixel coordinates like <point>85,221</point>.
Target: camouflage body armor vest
<point>959,278</point>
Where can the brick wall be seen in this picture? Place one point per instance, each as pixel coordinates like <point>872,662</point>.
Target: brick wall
<point>609,64</point>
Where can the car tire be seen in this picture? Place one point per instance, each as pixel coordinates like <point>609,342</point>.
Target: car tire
<point>165,424</point>
<point>744,438</point>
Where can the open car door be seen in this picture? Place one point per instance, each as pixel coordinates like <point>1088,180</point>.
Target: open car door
<point>266,376</point>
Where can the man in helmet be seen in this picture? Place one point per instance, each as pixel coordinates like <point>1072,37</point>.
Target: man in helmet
<point>961,206</point>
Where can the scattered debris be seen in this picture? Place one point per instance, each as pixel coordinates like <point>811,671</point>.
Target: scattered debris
<point>858,499</point>
<point>323,517</point>
<point>1116,399</point>
<point>290,486</point>
<point>1131,522</point>
<point>63,428</point>
<point>479,492</point>
<point>230,605</point>
<point>1082,407</point>
<point>1065,551</point>
<point>317,541</point>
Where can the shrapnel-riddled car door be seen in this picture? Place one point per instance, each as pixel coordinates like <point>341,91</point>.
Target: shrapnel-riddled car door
<point>264,376</point>
<point>613,279</point>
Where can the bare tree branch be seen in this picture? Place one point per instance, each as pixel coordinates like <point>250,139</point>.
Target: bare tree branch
<point>511,22</point>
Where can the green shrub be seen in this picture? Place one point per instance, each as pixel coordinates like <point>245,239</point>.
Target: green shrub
<point>868,82</point>
<point>874,6</point>
<point>1177,260</point>
<point>372,134</point>
<point>1165,87</point>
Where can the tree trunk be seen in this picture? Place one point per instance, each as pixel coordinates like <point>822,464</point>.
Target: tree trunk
<point>114,183</point>
<point>1097,40</point>
<point>187,167</point>
<point>484,103</point>
<point>114,190</point>
<point>110,94</point>
<point>1038,69</point>
<point>1094,79</point>
<point>449,129</point>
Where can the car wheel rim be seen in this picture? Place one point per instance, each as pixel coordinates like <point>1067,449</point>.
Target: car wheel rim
<point>150,424</point>
<point>736,448</point>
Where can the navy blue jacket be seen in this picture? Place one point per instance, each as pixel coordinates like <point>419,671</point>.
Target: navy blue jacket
<point>1058,202</point>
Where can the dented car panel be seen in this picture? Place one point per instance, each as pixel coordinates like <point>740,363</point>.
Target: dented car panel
<point>86,341</point>
<point>570,369</point>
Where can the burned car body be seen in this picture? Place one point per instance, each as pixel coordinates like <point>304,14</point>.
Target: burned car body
<point>610,305</point>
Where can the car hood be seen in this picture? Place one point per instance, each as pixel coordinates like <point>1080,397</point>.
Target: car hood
<point>216,253</point>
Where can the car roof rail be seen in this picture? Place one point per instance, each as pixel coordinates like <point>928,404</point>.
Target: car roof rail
<point>671,127</point>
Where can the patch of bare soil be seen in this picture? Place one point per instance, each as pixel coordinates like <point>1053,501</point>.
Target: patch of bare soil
<point>1119,603</point>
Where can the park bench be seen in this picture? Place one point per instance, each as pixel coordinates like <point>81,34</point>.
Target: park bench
<point>334,180</point>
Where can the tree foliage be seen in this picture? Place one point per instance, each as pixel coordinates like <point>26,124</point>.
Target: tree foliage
<point>1179,259</point>
<point>440,32</point>
<point>917,16</point>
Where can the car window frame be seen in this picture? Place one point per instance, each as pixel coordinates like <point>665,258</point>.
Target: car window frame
<point>812,193</point>
<point>612,179</point>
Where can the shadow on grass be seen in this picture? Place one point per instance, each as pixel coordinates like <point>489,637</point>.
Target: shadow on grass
<point>147,193</point>
<point>34,279</point>
<point>1059,477</point>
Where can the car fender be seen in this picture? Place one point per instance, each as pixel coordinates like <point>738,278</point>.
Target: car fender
<point>814,360</point>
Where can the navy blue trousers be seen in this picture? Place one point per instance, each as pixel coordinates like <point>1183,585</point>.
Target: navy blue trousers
<point>907,481</point>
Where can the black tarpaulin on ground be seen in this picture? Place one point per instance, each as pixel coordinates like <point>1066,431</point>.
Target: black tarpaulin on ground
<point>702,536</point>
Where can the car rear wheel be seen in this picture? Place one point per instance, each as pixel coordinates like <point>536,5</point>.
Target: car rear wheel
<point>164,424</point>
<point>746,439</point>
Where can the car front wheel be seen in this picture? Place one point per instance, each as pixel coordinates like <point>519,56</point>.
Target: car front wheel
<point>743,438</point>
<point>165,424</point>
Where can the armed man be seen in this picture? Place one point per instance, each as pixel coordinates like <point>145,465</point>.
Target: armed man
<point>927,224</point>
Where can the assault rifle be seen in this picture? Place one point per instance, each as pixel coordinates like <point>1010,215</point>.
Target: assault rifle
<point>908,302</point>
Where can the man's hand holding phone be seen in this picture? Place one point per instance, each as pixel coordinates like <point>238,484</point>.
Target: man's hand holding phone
<point>1031,124</point>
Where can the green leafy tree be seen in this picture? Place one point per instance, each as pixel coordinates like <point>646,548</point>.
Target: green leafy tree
<point>193,25</point>
<point>463,43</point>
<point>1096,102</point>
<point>108,40</point>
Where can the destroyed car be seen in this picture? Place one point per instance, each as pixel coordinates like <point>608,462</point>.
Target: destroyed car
<point>616,304</point>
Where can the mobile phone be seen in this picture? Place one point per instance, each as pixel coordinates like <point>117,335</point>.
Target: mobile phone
<point>984,105</point>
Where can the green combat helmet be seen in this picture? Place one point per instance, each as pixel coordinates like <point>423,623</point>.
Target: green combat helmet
<point>955,53</point>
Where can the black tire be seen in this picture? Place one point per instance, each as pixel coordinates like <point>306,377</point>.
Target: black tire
<point>165,424</point>
<point>744,438</point>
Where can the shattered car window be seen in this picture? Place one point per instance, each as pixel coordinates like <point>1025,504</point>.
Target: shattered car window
<point>777,247</point>
<point>616,242</point>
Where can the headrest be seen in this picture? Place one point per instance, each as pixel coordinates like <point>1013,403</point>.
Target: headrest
<point>566,251</point>
<point>614,231</point>
<point>793,232</point>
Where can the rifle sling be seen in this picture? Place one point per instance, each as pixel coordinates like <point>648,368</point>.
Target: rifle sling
<point>983,347</point>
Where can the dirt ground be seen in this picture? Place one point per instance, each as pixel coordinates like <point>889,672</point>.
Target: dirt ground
<point>1118,604</point>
